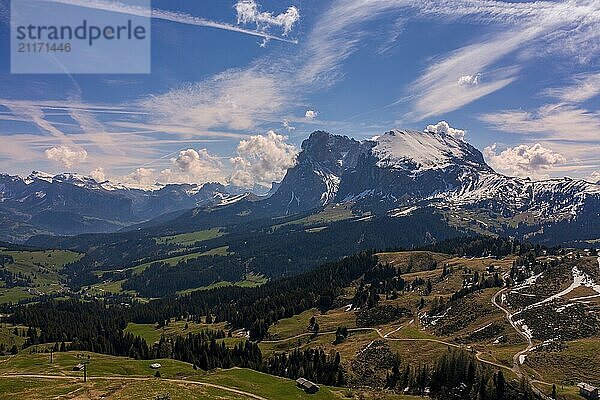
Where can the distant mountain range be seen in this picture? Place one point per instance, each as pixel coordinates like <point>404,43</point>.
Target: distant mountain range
<point>69,204</point>
<point>392,176</point>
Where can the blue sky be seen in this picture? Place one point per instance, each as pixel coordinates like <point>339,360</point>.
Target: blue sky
<point>518,80</point>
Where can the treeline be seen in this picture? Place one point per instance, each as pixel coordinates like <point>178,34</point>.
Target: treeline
<point>204,352</point>
<point>95,326</point>
<point>99,329</point>
<point>161,279</point>
<point>457,375</point>
<point>311,364</point>
<point>6,259</point>
<point>87,325</point>
<point>12,279</point>
<point>528,263</point>
<point>482,246</point>
<point>470,285</point>
<point>478,282</point>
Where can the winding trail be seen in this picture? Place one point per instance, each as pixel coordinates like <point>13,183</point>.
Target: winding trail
<point>517,357</point>
<point>385,336</point>
<point>132,378</point>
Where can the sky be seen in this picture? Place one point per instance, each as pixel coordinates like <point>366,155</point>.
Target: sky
<point>237,85</point>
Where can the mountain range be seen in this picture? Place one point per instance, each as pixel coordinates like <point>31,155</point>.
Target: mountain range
<point>392,175</point>
<point>69,204</point>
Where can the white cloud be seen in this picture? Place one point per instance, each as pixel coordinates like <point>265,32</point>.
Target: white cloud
<point>469,80</point>
<point>310,115</point>
<point>31,112</point>
<point>141,176</point>
<point>177,17</point>
<point>595,177</point>
<point>584,87</point>
<point>444,127</point>
<point>436,92</point>
<point>233,99</point>
<point>524,160</point>
<point>532,31</point>
<point>262,159</point>
<point>242,100</point>
<point>66,156</point>
<point>286,124</point>
<point>248,11</point>
<point>199,165</point>
<point>557,121</point>
<point>98,174</point>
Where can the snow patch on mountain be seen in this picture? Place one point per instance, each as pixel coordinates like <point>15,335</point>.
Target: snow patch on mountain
<point>418,151</point>
<point>332,184</point>
<point>38,175</point>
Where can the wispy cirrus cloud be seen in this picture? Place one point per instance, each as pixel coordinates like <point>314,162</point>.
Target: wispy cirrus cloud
<point>555,121</point>
<point>531,30</point>
<point>235,99</point>
<point>525,30</point>
<point>584,87</point>
<point>564,120</point>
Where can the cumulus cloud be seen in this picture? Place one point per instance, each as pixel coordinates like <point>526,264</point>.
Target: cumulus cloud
<point>310,115</point>
<point>66,156</point>
<point>248,11</point>
<point>469,80</point>
<point>141,176</point>
<point>444,127</point>
<point>198,164</point>
<point>524,160</point>
<point>98,174</point>
<point>595,177</point>
<point>262,159</point>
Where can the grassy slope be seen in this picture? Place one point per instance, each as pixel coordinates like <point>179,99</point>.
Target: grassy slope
<point>103,366</point>
<point>578,361</point>
<point>152,334</point>
<point>43,266</point>
<point>188,239</point>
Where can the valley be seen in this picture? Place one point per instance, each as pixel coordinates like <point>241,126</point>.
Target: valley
<point>444,302</point>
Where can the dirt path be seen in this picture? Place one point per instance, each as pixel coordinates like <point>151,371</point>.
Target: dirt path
<point>131,378</point>
<point>517,357</point>
<point>312,333</point>
<point>386,337</point>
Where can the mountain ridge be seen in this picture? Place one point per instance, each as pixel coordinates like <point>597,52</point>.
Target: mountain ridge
<point>68,204</point>
<point>410,167</point>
